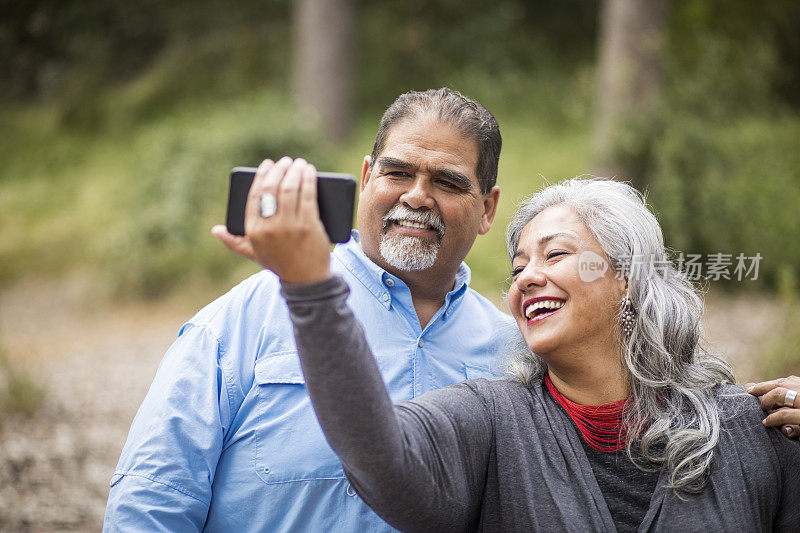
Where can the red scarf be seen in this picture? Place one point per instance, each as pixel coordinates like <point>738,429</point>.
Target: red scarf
<point>600,425</point>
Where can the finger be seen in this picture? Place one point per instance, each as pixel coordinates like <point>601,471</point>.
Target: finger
<point>757,389</point>
<point>792,431</point>
<point>275,175</point>
<point>773,399</point>
<point>783,416</point>
<point>258,179</point>
<point>289,190</point>
<point>252,207</point>
<point>262,169</point>
<point>789,382</point>
<point>777,398</point>
<point>235,243</point>
<point>308,194</point>
<point>267,178</point>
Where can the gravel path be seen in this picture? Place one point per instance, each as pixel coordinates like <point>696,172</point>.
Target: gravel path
<point>96,365</point>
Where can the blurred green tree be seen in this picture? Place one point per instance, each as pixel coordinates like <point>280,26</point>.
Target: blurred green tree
<point>86,86</point>
<point>324,62</point>
<point>632,47</point>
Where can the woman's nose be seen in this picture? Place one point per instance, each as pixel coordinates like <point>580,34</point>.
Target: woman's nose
<point>531,276</point>
<point>418,195</point>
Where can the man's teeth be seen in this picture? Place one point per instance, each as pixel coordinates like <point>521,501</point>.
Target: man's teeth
<point>411,224</point>
<point>530,311</point>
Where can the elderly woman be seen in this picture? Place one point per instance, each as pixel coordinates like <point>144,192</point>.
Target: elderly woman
<point>614,419</point>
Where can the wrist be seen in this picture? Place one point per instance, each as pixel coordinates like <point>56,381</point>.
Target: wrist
<point>297,277</point>
<point>294,292</point>
<point>301,280</point>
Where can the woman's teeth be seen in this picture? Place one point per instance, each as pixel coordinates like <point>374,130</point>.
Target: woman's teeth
<point>551,305</point>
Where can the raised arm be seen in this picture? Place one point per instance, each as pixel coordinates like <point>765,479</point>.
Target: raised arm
<point>420,465</point>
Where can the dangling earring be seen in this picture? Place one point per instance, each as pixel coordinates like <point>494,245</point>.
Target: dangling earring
<point>627,316</point>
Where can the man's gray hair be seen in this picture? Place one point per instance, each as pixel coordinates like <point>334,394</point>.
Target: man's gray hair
<point>675,384</point>
<point>471,119</point>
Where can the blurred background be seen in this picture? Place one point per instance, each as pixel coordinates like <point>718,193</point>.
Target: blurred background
<point>121,120</point>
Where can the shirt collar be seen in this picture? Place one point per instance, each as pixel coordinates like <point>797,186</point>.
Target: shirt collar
<point>374,278</point>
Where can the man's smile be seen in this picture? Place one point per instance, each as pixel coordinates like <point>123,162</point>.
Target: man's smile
<point>413,222</point>
<point>410,228</point>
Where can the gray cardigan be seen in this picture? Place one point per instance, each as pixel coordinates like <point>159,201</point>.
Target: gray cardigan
<point>495,456</point>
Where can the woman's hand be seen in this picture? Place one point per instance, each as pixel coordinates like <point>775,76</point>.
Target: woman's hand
<point>773,395</point>
<point>291,242</point>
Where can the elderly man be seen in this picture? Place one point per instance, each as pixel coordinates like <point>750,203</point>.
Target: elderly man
<point>226,439</point>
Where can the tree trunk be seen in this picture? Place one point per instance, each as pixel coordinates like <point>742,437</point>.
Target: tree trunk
<point>632,43</point>
<point>323,62</point>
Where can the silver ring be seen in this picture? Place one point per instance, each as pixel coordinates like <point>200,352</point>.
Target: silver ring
<point>269,205</point>
<point>788,400</point>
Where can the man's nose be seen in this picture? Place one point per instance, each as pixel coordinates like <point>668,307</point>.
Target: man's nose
<point>418,195</point>
<point>532,276</point>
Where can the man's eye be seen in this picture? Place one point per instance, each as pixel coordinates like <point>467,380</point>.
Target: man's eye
<point>448,185</point>
<point>398,174</point>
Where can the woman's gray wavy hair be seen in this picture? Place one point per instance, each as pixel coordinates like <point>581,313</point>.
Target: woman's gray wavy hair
<point>675,384</point>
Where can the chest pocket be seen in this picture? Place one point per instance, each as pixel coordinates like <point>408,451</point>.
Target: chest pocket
<point>472,371</point>
<point>290,446</point>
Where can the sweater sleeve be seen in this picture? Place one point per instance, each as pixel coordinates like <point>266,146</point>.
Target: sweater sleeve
<point>421,465</point>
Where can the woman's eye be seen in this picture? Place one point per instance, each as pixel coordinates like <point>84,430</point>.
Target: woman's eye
<point>517,271</point>
<point>552,255</point>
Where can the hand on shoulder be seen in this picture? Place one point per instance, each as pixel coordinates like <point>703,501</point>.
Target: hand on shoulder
<point>780,397</point>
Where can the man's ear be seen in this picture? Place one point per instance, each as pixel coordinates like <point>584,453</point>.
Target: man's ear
<point>490,200</point>
<point>365,171</point>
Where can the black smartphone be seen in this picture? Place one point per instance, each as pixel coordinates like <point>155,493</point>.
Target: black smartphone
<point>336,195</point>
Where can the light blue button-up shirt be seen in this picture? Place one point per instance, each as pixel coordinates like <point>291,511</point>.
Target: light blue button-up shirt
<point>226,438</point>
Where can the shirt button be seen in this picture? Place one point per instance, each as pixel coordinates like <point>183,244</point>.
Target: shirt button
<point>421,343</point>
<point>385,297</point>
<point>389,282</point>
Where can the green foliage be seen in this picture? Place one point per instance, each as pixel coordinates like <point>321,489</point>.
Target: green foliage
<point>19,394</point>
<point>117,163</point>
<point>159,237</point>
<point>133,206</point>
<point>725,169</point>
<point>732,189</point>
<point>416,44</point>
<point>782,357</point>
<point>739,54</point>
<point>52,47</point>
